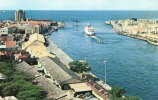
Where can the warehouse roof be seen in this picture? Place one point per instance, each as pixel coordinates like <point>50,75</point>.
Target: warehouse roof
<point>52,90</point>
<point>33,38</point>
<point>80,87</point>
<point>60,73</point>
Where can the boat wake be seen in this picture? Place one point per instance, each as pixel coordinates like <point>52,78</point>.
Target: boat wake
<point>99,41</point>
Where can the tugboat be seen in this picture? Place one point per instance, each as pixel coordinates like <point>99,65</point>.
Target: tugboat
<point>89,30</point>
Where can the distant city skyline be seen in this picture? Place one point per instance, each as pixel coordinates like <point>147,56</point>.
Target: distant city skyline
<point>79,4</point>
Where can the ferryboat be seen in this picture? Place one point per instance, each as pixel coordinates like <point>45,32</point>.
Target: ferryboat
<point>89,30</point>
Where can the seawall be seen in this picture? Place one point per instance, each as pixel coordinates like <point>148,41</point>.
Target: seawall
<point>65,59</point>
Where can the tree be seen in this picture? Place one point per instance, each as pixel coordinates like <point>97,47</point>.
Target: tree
<point>127,98</point>
<point>32,94</point>
<point>79,67</point>
<point>117,92</point>
<point>18,84</point>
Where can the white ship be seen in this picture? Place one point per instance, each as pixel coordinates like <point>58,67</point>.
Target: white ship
<point>89,30</point>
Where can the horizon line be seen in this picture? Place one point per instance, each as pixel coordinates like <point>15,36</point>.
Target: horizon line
<point>74,10</point>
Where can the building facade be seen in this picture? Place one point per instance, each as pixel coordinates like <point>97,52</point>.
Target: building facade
<point>19,15</point>
<point>5,31</point>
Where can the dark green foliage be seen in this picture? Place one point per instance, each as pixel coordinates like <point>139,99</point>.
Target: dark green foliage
<point>21,31</point>
<point>18,84</point>
<point>49,99</point>
<point>117,94</point>
<point>127,98</point>
<point>54,24</point>
<point>79,67</point>
<point>132,98</point>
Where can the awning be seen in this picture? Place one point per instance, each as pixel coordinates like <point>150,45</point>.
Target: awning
<point>80,87</point>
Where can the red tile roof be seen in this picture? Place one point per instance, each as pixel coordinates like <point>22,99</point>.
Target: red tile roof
<point>42,20</point>
<point>10,44</point>
<point>34,24</point>
<point>2,38</point>
<point>11,52</point>
<point>20,57</point>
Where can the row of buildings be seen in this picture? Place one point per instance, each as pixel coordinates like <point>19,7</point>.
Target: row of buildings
<point>144,29</point>
<point>27,25</point>
<point>136,26</point>
<point>24,41</point>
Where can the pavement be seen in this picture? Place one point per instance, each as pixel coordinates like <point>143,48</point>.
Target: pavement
<point>64,58</point>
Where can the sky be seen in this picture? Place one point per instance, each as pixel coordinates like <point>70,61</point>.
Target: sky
<point>79,4</point>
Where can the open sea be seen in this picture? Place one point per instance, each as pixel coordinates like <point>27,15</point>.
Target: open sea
<point>132,63</point>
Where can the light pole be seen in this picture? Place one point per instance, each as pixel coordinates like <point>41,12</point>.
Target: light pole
<point>85,59</point>
<point>105,62</point>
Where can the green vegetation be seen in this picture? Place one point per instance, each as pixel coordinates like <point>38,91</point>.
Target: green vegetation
<point>117,94</point>
<point>79,67</point>
<point>18,84</point>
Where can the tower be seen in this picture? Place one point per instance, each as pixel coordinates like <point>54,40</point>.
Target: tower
<point>19,15</point>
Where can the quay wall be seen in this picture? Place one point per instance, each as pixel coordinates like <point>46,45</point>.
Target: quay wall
<point>66,60</point>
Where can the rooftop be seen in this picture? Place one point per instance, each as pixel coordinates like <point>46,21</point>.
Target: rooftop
<point>52,90</point>
<point>80,87</point>
<point>60,73</point>
<point>10,44</point>
<point>32,38</point>
<point>6,38</point>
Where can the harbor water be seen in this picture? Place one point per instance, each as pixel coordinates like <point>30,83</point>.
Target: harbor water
<point>132,63</point>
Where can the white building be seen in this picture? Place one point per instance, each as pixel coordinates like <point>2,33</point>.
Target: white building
<point>5,30</point>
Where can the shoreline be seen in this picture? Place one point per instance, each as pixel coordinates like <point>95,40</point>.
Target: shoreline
<point>139,37</point>
<point>67,59</point>
<point>149,38</point>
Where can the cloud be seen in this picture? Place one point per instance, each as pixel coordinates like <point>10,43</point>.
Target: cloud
<point>79,4</point>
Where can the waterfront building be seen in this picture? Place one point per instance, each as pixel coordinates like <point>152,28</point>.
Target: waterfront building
<point>60,74</point>
<point>35,46</point>
<point>79,88</point>
<point>19,15</point>
<point>98,90</point>
<point>5,31</point>
<point>52,90</point>
<point>33,38</point>
<point>43,25</point>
